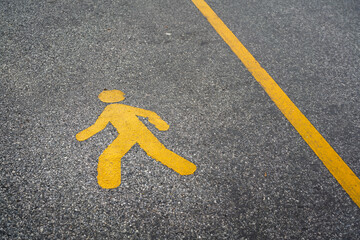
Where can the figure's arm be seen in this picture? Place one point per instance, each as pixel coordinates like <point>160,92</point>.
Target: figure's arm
<point>153,119</point>
<point>99,125</point>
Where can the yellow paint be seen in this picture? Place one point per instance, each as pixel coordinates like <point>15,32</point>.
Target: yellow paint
<point>131,131</point>
<point>337,167</point>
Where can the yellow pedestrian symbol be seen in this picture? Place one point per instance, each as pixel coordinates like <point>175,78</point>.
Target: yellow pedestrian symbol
<point>131,131</point>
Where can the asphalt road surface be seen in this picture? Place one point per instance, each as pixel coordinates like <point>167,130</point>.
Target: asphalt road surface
<point>256,177</point>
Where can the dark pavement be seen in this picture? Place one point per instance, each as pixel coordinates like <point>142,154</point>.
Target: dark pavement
<point>256,178</point>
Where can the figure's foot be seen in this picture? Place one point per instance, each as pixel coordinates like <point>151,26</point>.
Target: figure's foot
<point>170,159</point>
<point>108,184</point>
<point>186,168</point>
<point>109,173</point>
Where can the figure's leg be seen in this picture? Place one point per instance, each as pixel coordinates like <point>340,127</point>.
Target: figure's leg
<point>159,152</point>
<point>109,166</point>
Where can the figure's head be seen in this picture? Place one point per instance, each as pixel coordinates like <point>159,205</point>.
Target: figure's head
<point>111,96</point>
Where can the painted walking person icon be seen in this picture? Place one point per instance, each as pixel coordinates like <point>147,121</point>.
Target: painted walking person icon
<point>131,131</point>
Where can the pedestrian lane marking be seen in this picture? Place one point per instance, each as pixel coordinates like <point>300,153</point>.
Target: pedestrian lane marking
<point>131,131</point>
<point>337,167</point>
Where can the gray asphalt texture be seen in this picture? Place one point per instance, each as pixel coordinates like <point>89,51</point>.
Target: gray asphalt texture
<point>256,178</point>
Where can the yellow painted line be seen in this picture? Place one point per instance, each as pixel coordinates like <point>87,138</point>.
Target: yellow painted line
<point>131,131</point>
<point>337,167</point>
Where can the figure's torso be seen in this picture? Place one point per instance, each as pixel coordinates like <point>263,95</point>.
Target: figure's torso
<point>124,119</point>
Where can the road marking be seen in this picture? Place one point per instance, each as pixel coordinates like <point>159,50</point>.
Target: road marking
<point>337,167</point>
<point>131,131</point>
